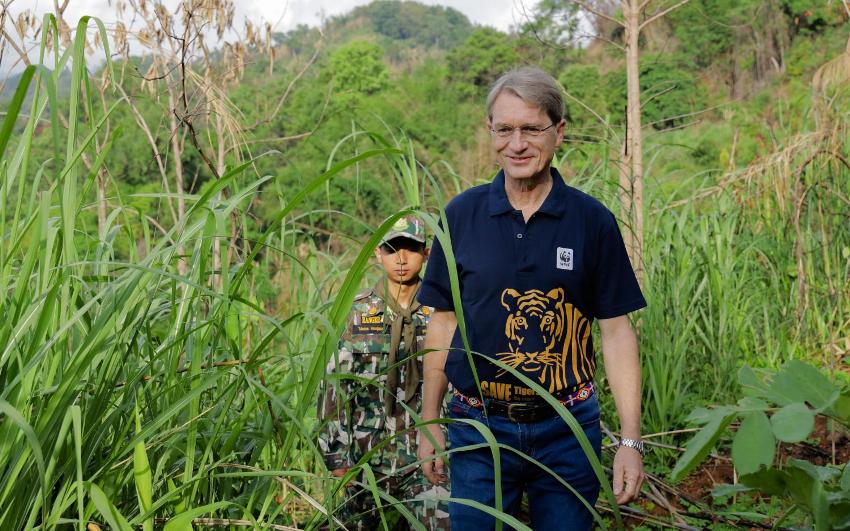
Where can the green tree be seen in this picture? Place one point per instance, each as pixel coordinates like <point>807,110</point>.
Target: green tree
<point>582,82</point>
<point>358,70</point>
<point>415,23</point>
<point>668,91</point>
<point>482,58</point>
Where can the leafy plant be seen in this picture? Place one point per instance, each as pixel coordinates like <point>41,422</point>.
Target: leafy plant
<point>779,406</point>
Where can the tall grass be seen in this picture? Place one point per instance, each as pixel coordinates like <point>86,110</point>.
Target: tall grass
<point>128,391</point>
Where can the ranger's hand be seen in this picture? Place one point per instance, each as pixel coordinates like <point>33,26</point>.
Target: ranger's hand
<point>628,474</point>
<point>433,467</point>
<point>339,472</point>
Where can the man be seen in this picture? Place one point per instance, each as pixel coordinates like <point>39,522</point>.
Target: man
<point>537,261</point>
<point>378,384</point>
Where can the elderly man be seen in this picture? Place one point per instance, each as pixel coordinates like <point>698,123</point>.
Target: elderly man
<point>538,262</point>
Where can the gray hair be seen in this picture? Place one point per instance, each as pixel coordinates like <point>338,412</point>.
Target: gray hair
<point>531,85</point>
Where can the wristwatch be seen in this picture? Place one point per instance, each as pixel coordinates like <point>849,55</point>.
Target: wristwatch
<point>632,443</point>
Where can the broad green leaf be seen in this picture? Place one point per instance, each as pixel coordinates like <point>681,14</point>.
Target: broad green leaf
<point>793,423</point>
<point>767,480</point>
<point>845,478</point>
<point>841,408</point>
<point>801,382</point>
<point>702,443</point>
<point>820,473</point>
<point>749,380</point>
<point>115,519</point>
<point>700,415</point>
<point>754,445</point>
<point>750,403</point>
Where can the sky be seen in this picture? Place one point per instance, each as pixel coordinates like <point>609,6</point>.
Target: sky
<point>282,14</point>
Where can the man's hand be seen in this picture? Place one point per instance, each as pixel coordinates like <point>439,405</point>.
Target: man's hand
<point>432,466</point>
<point>628,474</point>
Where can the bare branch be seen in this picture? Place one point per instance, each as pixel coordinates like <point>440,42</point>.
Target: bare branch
<point>605,40</point>
<point>21,53</point>
<point>539,38</point>
<point>598,13</point>
<point>660,14</point>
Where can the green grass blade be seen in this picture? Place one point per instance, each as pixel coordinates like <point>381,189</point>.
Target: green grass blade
<point>106,509</point>
<point>142,474</point>
<point>15,108</point>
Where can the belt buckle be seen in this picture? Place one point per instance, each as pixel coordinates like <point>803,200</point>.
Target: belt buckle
<point>511,407</point>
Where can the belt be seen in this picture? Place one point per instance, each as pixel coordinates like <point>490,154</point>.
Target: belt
<point>525,412</point>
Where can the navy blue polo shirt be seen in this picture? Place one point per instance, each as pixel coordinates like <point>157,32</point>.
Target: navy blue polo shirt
<point>530,291</point>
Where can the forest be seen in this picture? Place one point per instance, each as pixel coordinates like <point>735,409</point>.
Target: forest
<point>189,204</point>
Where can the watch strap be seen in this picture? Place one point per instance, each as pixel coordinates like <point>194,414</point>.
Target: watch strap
<point>633,443</point>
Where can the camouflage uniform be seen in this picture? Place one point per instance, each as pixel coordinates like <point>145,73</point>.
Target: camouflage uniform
<point>356,422</point>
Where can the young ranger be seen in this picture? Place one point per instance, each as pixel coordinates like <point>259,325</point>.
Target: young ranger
<point>374,383</point>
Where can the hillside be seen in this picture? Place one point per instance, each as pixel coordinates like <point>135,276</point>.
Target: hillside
<point>712,103</point>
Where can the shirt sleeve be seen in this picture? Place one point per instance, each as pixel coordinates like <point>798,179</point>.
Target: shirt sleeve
<point>334,410</point>
<point>436,290</point>
<point>616,290</point>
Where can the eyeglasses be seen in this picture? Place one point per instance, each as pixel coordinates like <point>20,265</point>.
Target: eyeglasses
<point>525,131</point>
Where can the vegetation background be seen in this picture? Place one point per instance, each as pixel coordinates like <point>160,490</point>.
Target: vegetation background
<point>183,230</point>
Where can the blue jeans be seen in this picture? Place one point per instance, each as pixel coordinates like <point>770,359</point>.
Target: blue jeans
<point>551,442</point>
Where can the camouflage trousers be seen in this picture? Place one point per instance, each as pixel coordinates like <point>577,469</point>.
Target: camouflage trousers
<point>360,512</point>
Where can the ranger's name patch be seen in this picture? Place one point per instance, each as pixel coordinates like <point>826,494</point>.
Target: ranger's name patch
<point>368,324</point>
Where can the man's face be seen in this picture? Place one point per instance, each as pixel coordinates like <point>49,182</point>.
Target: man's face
<point>521,155</point>
<point>402,259</point>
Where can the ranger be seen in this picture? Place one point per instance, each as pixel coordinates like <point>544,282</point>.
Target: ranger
<point>374,385</point>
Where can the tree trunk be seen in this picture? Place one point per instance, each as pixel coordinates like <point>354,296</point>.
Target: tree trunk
<point>631,170</point>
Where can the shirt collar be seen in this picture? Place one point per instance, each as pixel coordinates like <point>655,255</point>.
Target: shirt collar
<point>553,205</point>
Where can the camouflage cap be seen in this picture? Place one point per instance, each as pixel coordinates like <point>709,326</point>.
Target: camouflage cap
<point>409,227</point>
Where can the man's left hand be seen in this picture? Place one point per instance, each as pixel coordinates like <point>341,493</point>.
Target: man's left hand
<point>628,474</point>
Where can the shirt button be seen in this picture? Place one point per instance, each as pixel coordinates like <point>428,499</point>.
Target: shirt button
<point>519,235</point>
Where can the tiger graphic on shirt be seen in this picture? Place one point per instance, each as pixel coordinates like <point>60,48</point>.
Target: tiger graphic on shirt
<point>547,338</point>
